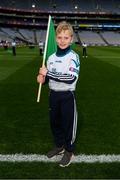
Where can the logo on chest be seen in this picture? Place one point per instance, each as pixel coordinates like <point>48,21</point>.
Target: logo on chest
<point>58,61</point>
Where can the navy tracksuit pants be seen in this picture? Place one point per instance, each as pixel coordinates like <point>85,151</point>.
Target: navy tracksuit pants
<point>63,118</point>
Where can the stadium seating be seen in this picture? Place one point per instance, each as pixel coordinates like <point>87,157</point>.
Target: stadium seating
<point>91,38</point>
<point>35,33</point>
<point>4,37</point>
<point>40,34</point>
<point>27,34</point>
<point>11,33</point>
<point>113,38</point>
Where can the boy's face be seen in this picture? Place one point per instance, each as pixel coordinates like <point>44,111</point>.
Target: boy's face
<point>64,39</point>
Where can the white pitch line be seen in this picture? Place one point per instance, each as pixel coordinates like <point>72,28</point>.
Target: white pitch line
<point>82,158</point>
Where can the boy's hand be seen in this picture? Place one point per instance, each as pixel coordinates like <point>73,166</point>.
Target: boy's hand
<point>40,78</point>
<point>43,71</point>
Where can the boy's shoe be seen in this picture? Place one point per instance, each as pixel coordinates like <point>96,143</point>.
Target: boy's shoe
<point>55,151</point>
<point>66,159</point>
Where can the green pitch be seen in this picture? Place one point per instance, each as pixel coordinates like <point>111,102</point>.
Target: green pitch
<point>24,123</point>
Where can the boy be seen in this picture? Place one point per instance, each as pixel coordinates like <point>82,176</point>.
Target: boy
<point>62,73</point>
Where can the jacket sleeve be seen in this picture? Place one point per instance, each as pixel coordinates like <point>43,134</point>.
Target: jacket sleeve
<point>65,78</point>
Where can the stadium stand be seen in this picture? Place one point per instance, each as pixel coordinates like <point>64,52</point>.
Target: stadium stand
<point>41,35</point>
<point>113,38</point>
<point>27,23</point>
<point>28,35</point>
<point>91,38</point>
<point>11,33</point>
<point>4,37</point>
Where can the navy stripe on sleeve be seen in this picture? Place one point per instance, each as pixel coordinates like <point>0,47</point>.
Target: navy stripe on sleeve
<point>65,78</point>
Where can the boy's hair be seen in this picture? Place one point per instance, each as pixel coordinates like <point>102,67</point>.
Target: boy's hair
<point>63,26</point>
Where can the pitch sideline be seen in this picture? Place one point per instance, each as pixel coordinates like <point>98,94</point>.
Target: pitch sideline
<point>82,158</point>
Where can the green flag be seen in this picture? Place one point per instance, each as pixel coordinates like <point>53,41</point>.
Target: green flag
<point>50,47</point>
<point>50,43</point>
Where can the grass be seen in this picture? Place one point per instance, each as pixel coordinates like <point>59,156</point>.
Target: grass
<point>24,124</point>
<point>52,171</point>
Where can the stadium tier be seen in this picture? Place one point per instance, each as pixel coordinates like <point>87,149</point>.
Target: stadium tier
<point>113,38</point>
<point>91,38</point>
<point>27,21</point>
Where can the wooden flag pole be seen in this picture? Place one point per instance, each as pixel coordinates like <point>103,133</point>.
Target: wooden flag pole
<point>44,57</point>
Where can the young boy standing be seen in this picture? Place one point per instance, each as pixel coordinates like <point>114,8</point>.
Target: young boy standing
<point>62,74</point>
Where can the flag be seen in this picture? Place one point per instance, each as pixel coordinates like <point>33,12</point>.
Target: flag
<point>50,47</point>
<point>50,43</point>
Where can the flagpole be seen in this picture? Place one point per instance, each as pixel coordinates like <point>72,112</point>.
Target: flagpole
<point>44,57</point>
